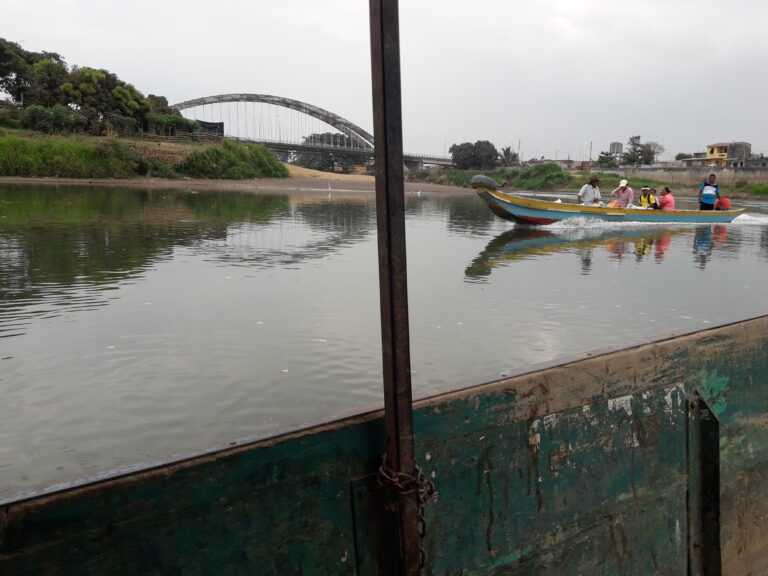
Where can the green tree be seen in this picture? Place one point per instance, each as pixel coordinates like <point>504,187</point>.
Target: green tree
<point>129,101</point>
<point>655,149</point>
<point>15,70</point>
<point>11,58</point>
<point>30,77</point>
<point>508,157</point>
<point>647,154</point>
<point>641,153</point>
<point>683,156</point>
<point>632,155</point>
<point>606,160</point>
<point>159,105</point>
<point>482,155</point>
<point>486,155</point>
<point>44,81</point>
<point>462,155</point>
<point>61,119</point>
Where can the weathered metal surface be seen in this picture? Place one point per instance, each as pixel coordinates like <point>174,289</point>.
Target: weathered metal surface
<point>393,279</point>
<point>583,468</point>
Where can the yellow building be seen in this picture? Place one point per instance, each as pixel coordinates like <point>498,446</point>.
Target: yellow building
<point>729,154</point>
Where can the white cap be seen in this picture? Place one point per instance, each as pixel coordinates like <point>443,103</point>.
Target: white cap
<point>623,183</point>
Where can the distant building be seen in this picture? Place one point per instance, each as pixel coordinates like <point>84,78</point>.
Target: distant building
<point>699,160</point>
<point>616,149</point>
<point>722,155</point>
<point>729,154</point>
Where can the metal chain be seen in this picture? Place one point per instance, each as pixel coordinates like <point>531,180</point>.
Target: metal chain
<point>408,484</point>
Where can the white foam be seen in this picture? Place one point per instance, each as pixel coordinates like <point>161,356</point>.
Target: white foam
<point>751,219</point>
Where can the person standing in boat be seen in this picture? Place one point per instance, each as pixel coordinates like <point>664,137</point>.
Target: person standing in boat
<point>590,192</point>
<point>709,193</point>
<point>666,201</point>
<point>624,194</point>
<point>647,197</point>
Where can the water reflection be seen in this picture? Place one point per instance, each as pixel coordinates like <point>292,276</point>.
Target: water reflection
<point>521,243</point>
<point>68,248</point>
<point>702,245</point>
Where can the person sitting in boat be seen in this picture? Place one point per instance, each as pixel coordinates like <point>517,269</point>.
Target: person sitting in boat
<point>647,197</point>
<point>666,201</point>
<point>589,193</point>
<point>723,203</point>
<point>709,193</point>
<point>624,194</point>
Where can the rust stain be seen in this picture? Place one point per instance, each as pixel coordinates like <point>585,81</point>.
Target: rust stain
<point>485,476</point>
<point>558,459</point>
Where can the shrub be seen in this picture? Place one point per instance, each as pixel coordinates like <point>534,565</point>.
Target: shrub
<point>11,118</point>
<point>542,176</point>
<point>57,119</point>
<point>231,161</point>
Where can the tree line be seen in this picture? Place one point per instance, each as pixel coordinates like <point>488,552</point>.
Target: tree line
<point>482,155</point>
<point>637,153</point>
<point>55,97</point>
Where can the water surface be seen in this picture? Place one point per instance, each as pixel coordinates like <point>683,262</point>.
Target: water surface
<point>136,325</point>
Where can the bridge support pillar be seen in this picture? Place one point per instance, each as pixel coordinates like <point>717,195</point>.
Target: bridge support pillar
<point>414,164</point>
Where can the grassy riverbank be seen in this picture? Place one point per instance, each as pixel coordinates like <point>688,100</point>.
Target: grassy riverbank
<point>541,177</point>
<point>549,177</point>
<point>28,154</point>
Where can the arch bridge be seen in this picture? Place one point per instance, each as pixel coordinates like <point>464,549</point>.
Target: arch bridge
<point>286,125</point>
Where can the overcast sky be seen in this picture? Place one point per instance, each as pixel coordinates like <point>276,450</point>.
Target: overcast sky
<point>552,75</point>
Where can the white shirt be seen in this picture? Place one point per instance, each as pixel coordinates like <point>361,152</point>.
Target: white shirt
<point>589,194</point>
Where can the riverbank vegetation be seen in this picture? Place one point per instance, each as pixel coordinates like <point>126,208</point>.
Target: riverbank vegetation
<point>539,177</point>
<point>81,156</point>
<point>52,97</point>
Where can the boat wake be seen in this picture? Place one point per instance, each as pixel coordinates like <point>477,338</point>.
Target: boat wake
<point>751,219</point>
<point>593,224</point>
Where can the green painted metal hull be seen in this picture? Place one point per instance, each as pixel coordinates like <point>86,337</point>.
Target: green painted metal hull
<point>632,462</point>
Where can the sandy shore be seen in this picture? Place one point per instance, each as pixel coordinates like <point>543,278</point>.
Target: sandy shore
<point>301,179</point>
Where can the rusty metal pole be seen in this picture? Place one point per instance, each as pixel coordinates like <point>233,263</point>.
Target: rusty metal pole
<point>393,284</point>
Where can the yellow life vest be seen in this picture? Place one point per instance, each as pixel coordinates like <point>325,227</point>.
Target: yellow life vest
<point>646,201</point>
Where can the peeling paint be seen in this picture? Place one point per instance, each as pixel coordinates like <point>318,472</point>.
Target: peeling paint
<point>534,437</point>
<point>674,396</point>
<point>621,403</point>
<point>550,421</point>
<point>714,388</point>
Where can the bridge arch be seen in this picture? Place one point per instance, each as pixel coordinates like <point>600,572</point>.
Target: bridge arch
<point>359,136</point>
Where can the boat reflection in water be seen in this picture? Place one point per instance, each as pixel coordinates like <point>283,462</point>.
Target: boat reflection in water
<point>522,243</point>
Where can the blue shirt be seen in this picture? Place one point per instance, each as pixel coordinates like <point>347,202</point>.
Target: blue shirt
<point>709,193</point>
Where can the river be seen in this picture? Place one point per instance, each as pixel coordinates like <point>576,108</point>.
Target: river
<point>140,325</point>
